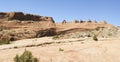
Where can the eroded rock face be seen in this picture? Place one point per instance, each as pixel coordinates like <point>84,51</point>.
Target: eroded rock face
<point>23,17</point>
<point>17,25</point>
<point>47,32</point>
<point>12,35</point>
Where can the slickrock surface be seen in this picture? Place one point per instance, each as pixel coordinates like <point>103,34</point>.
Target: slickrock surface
<point>104,50</point>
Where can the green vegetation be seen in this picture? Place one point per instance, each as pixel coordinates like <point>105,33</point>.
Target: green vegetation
<point>110,34</point>
<point>97,28</point>
<point>1,28</point>
<point>4,42</point>
<point>25,57</point>
<point>95,38</point>
<point>55,37</point>
<point>60,49</point>
<point>15,47</point>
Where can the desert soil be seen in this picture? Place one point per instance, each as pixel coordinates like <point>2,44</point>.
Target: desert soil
<point>74,50</point>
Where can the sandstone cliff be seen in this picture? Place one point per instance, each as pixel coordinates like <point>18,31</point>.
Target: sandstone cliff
<point>23,17</point>
<point>18,25</point>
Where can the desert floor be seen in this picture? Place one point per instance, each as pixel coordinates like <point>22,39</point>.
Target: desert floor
<point>74,50</point>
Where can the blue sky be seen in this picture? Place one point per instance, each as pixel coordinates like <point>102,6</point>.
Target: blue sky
<point>108,10</point>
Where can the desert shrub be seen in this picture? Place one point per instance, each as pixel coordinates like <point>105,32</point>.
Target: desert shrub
<point>1,28</point>
<point>97,28</point>
<point>60,49</point>
<point>55,37</point>
<point>25,57</point>
<point>95,38</point>
<point>110,34</point>
<point>4,42</point>
<point>15,47</point>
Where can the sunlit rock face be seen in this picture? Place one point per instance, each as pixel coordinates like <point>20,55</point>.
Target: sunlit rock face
<point>19,25</point>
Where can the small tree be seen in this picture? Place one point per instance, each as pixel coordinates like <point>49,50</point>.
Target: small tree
<point>95,38</point>
<point>25,57</point>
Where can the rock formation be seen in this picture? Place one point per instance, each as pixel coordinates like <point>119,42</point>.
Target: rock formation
<point>103,22</point>
<point>64,22</point>
<point>81,21</point>
<point>89,21</point>
<point>23,17</point>
<point>75,21</point>
<point>94,21</point>
<point>17,25</point>
<point>77,26</point>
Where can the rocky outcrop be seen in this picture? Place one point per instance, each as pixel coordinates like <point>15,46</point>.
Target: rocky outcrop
<point>18,25</point>
<point>94,21</point>
<point>23,17</point>
<point>47,32</point>
<point>88,21</point>
<point>100,32</point>
<point>75,21</point>
<point>103,22</point>
<point>81,21</point>
<point>12,35</point>
<point>64,22</point>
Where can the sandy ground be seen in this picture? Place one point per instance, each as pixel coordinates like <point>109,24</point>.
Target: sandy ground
<point>75,50</point>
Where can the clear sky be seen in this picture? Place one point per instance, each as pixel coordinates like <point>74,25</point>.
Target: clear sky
<point>108,10</point>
